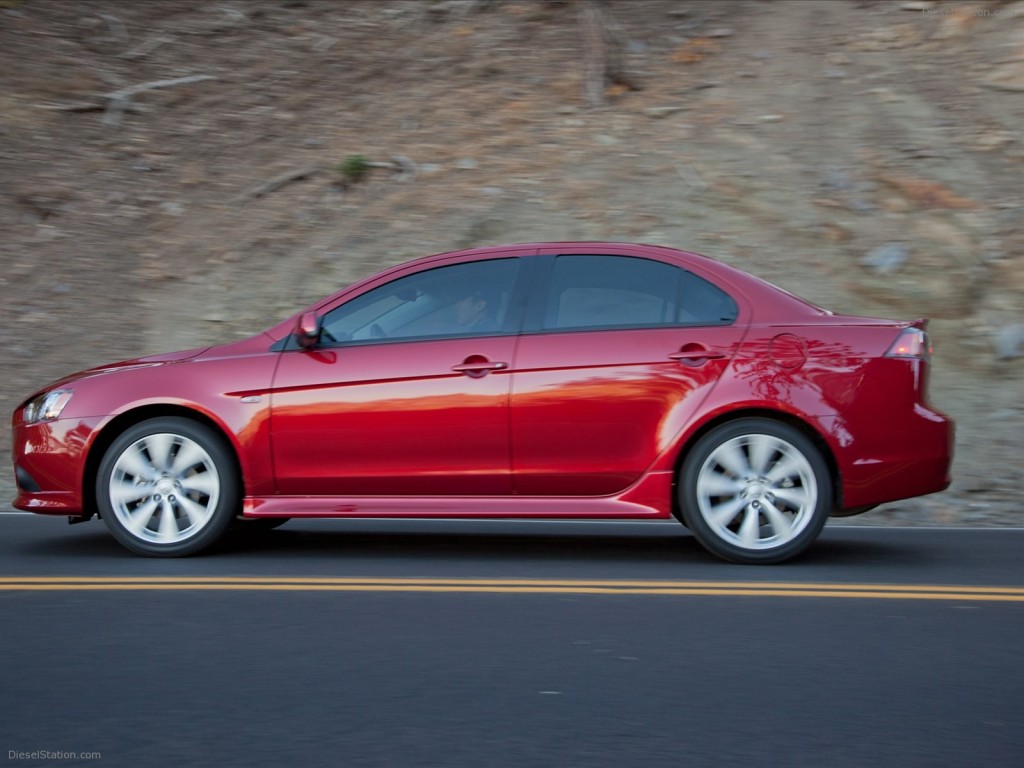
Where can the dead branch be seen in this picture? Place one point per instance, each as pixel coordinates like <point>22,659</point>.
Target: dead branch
<point>594,53</point>
<point>404,167</point>
<point>274,184</point>
<point>690,175</point>
<point>146,48</point>
<point>233,14</point>
<point>127,93</point>
<point>118,101</point>
<point>603,43</point>
<point>87,106</point>
<point>116,26</point>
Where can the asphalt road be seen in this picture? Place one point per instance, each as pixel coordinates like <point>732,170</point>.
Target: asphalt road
<point>401,643</point>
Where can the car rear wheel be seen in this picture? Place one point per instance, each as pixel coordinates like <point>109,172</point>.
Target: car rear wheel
<point>167,487</point>
<point>755,491</point>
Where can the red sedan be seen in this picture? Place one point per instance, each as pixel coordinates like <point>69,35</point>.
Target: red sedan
<point>553,380</point>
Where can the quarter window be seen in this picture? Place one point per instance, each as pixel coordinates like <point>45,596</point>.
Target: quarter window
<point>628,292</point>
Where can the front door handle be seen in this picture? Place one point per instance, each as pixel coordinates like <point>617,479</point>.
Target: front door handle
<point>477,366</point>
<point>694,354</point>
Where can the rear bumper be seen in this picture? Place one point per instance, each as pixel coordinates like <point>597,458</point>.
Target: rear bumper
<point>913,458</point>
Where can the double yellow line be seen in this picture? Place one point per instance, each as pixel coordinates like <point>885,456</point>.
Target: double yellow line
<point>515,586</point>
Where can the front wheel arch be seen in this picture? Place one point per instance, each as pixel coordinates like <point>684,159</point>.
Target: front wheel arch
<point>125,421</point>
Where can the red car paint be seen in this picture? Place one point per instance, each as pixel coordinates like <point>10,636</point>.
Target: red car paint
<point>538,423</point>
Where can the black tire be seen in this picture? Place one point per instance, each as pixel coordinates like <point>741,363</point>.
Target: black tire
<point>168,487</point>
<point>755,491</point>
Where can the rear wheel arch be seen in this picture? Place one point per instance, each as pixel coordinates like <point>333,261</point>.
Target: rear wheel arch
<point>757,413</point>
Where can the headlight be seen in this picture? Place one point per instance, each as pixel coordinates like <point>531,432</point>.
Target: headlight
<point>47,406</point>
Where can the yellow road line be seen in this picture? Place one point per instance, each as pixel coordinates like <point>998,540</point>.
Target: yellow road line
<point>960,596</point>
<point>501,582</point>
<point>521,586</point>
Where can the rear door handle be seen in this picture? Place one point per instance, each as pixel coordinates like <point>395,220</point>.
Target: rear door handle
<point>478,367</point>
<point>695,354</point>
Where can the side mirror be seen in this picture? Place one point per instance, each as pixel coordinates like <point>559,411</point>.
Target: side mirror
<point>307,330</point>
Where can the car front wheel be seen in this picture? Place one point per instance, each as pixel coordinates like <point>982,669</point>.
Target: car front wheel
<point>167,487</point>
<point>755,491</point>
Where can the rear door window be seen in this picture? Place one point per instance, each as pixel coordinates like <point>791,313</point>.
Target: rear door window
<point>596,292</point>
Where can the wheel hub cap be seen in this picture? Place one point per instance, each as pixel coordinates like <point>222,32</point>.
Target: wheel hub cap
<point>164,488</point>
<point>756,491</point>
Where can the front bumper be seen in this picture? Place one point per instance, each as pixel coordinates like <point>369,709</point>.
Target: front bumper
<point>49,465</point>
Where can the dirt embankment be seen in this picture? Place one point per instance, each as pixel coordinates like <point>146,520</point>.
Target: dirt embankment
<point>867,155</point>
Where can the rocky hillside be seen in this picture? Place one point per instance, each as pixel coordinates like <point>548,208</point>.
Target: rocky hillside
<point>173,173</point>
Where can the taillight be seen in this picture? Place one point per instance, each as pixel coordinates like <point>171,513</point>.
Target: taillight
<point>912,342</point>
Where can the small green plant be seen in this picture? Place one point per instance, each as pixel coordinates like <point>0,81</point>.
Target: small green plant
<point>354,168</point>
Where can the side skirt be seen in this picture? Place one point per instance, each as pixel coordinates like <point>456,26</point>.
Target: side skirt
<point>648,498</point>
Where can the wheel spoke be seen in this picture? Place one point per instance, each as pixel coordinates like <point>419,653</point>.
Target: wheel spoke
<point>750,529</point>
<point>125,493</point>
<point>718,484</point>
<point>132,462</point>
<point>204,482</point>
<point>168,526</point>
<point>197,514</point>
<point>725,513</point>
<point>159,449</point>
<point>140,517</point>
<point>797,496</point>
<point>760,449</point>
<point>781,524</point>
<point>189,454</point>
<point>787,467</point>
<point>731,457</point>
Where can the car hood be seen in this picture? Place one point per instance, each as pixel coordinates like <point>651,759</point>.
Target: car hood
<point>139,362</point>
<point>167,357</point>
